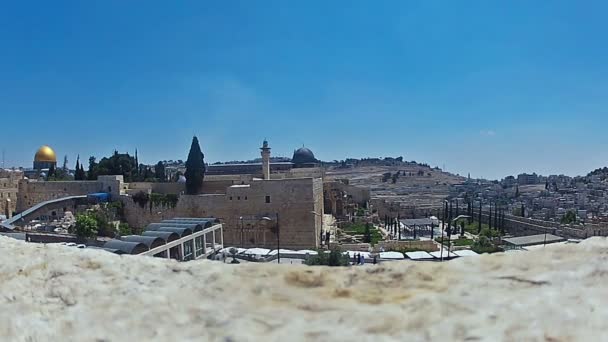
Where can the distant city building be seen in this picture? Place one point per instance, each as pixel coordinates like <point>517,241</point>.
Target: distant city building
<point>527,179</point>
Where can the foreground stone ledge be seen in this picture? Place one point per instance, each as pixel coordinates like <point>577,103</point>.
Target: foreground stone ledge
<point>57,293</point>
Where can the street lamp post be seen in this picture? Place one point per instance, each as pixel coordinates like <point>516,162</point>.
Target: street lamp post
<point>242,231</point>
<point>265,218</point>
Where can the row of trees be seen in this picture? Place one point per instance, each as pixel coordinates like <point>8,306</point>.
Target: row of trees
<point>129,167</point>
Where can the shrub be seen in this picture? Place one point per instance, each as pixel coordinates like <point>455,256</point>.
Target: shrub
<point>86,226</point>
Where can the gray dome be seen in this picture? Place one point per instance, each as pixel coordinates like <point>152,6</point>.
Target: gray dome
<point>303,156</point>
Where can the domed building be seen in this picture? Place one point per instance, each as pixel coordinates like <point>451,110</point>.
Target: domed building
<point>303,157</point>
<point>45,158</point>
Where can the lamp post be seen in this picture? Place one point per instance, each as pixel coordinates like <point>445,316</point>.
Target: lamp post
<point>265,218</point>
<point>241,219</point>
<point>455,222</point>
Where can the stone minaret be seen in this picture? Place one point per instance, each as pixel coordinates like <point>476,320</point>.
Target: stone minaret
<point>265,160</point>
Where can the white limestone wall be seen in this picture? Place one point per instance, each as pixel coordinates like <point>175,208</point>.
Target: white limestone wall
<point>57,293</point>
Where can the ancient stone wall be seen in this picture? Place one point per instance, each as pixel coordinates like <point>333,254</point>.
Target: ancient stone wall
<point>242,211</point>
<point>34,192</point>
<point>9,186</point>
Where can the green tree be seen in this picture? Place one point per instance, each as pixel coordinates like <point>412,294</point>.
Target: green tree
<point>569,217</point>
<point>159,170</point>
<point>367,235</point>
<point>86,226</point>
<point>517,191</point>
<point>93,169</point>
<point>51,173</point>
<point>333,258</point>
<point>79,173</point>
<point>77,169</point>
<point>195,169</point>
<point>124,229</point>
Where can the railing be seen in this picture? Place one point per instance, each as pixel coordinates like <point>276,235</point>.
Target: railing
<point>192,247</point>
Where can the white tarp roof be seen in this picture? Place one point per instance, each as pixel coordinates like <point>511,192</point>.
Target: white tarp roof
<point>419,255</point>
<point>227,250</point>
<point>283,251</point>
<point>391,255</point>
<point>257,251</point>
<point>465,253</point>
<point>307,251</point>
<point>445,254</point>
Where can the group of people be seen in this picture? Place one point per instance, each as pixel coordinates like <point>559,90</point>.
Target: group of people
<point>359,259</point>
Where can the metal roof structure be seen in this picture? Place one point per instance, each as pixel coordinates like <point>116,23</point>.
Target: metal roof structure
<point>417,222</point>
<point>196,227</point>
<point>167,236</point>
<point>190,219</point>
<point>181,231</point>
<point>150,241</point>
<point>126,246</point>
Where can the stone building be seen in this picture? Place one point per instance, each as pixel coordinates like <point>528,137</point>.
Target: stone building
<point>9,185</point>
<point>257,209</point>
<point>249,212</point>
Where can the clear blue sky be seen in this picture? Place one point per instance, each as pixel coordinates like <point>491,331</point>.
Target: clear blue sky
<point>487,87</point>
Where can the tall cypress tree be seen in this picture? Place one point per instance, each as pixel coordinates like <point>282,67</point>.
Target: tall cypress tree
<point>195,169</point>
<point>52,172</point>
<point>479,227</point>
<point>490,217</point>
<point>502,222</point>
<point>496,217</point>
<point>77,169</point>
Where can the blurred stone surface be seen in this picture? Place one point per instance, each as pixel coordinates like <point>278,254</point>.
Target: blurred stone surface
<point>57,293</point>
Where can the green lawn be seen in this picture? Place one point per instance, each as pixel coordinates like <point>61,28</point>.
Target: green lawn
<point>359,229</point>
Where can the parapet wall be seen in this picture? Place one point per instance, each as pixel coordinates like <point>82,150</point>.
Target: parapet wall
<point>58,293</point>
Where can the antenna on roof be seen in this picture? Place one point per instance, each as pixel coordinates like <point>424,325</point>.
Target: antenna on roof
<point>3,152</point>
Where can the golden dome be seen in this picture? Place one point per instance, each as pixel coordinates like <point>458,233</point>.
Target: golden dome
<point>45,154</point>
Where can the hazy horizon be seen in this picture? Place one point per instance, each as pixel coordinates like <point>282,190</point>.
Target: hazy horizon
<point>487,88</point>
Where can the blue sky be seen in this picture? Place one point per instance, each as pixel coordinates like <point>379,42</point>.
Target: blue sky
<point>487,87</point>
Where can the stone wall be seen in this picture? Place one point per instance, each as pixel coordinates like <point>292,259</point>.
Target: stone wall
<point>32,192</point>
<point>161,188</point>
<point>9,186</point>
<point>293,200</point>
